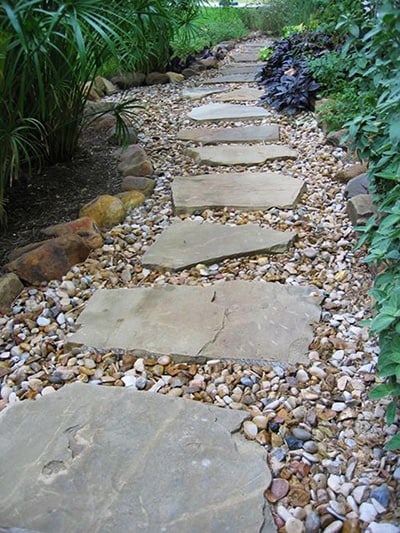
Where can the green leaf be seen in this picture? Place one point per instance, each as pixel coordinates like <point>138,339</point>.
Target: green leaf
<point>380,391</point>
<point>391,413</point>
<point>394,443</point>
<point>381,322</point>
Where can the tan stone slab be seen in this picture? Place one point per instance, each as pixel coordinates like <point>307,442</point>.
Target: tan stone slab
<point>243,320</point>
<point>246,57</point>
<point>247,191</point>
<point>197,93</point>
<point>249,94</point>
<point>231,78</point>
<point>185,244</point>
<point>101,459</point>
<point>231,135</point>
<point>241,68</point>
<point>240,154</point>
<point>215,112</point>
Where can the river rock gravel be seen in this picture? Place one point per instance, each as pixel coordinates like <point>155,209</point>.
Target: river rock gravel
<point>323,436</point>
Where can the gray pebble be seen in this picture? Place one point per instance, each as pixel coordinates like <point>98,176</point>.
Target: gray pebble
<point>141,383</point>
<point>301,434</point>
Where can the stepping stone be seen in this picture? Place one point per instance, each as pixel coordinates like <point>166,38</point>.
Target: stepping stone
<point>201,92</point>
<point>246,57</point>
<point>93,458</point>
<point>231,78</point>
<point>242,68</point>
<point>246,320</point>
<point>240,154</point>
<point>185,244</point>
<point>231,135</point>
<point>215,112</point>
<point>243,94</point>
<point>247,191</point>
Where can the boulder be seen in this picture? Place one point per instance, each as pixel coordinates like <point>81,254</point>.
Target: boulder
<point>356,186</point>
<point>85,227</point>
<point>131,199</point>
<point>131,136</point>
<point>155,78</point>
<point>229,45</point>
<point>10,287</point>
<point>50,260</point>
<point>90,91</point>
<point>104,86</point>
<point>351,171</point>
<point>105,210</point>
<point>334,138</point>
<point>360,208</point>
<point>208,62</point>
<point>134,162</point>
<point>175,78</point>
<point>189,72</point>
<point>125,80</point>
<point>104,122</point>
<point>138,183</point>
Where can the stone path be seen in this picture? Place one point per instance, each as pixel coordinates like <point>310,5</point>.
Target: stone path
<point>240,134</point>
<point>240,154</point>
<point>102,459</point>
<point>122,460</point>
<point>218,112</point>
<point>253,321</point>
<point>188,243</point>
<point>245,191</point>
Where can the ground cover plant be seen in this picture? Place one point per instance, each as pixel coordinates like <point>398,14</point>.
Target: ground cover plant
<point>288,80</point>
<point>370,60</point>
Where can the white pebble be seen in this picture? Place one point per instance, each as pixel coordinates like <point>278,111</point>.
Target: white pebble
<point>367,512</point>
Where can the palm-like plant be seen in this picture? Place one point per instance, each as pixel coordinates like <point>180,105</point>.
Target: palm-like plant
<point>49,50</point>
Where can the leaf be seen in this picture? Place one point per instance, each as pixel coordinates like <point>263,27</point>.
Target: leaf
<point>394,443</point>
<point>391,413</point>
<point>381,322</point>
<point>394,129</point>
<point>380,391</point>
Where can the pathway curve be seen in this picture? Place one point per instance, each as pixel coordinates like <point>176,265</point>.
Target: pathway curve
<point>250,261</point>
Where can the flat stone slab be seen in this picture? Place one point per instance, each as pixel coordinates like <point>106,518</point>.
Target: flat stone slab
<point>247,191</point>
<point>91,458</point>
<point>231,135</point>
<point>243,94</point>
<point>246,57</point>
<point>216,111</point>
<point>240,154</point>
<point>233,320</point>
<point>241,68</point>
<point>231,78</point>
<point>197,93</point>
<point>185,244</point>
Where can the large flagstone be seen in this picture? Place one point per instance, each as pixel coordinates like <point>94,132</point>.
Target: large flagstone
<point>197,93</point>
<point>100,459</point>
<point>218,111</point>
<point>241,68</point>
<point>247,191</point>
<point>231,320</point>
<point>231,135</point>
<point>245,77</point>
<point>240,154</point>
<point>246,56</point>
<point>185,244</point>
<point>249,94</point>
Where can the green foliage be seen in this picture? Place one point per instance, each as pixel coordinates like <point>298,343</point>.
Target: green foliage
<point>373,44</point>
<point>50,50</point>
<point>211,26</point>
<point>265,53</point>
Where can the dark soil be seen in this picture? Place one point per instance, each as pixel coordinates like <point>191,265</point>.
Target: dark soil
<point>58,192</point>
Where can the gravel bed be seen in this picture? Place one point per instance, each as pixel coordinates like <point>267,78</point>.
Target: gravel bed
<point>323,436</point>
